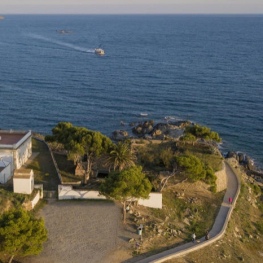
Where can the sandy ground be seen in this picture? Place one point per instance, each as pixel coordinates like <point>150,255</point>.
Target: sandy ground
<point>84,231</point>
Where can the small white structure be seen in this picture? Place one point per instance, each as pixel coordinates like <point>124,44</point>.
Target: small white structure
<point>155,200</point>
<point>23,181</point>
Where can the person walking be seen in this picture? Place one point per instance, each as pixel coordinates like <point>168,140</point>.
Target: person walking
<point>206,235</point>
<point>230,200</point>
<point>193,237</point>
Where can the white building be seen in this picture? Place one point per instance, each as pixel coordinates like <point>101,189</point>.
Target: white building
<point>23,181</point>
<point>5,169</point>
<point>15,150</point>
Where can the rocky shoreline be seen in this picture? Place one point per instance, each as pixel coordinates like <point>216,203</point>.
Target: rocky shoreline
<point>248,164</point>
<point>149,130</point>
<point>170,129</point>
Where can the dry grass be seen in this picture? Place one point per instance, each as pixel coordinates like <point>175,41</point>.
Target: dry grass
<point>243,239</point>
<point>187,207</point>
<point>44,170</point>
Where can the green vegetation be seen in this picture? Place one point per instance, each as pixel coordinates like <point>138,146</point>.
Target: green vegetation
<point>10,200</point>
<point>79,141</point>
<point>44,169</point>
<point>66,168</point>
<point>196,170</point>
<point>192,166</point>
<point>156,157</point>
<point>196,162</point>
<point>201,132</point>
<point>21,234</point>
<point>126,184</point>
<point>243,239</point>
<point>121,156</point>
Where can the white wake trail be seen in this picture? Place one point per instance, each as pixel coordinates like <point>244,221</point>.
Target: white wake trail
<point>60,43</point>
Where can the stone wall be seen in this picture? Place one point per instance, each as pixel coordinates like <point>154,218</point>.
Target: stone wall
<point>221,181</point>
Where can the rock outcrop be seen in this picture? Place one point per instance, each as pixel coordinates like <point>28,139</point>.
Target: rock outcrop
<point>160,130</point>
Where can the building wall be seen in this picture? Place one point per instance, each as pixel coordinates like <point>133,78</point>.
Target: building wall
<point>18,153</point>
<point>8,154</point>
<point>22,185</point>
<point>23,153</point>
<point>5,174</point>
<point>6,168</point>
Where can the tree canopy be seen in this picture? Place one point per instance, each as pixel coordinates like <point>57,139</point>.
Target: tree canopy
<point>126,184</point>
<point>121,156</point>
<point>192,166</point>
<point>79,141</point>
<point>21,234</point>
<point>201,132</point>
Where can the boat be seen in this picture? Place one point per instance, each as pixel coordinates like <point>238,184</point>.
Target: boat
<point>99,51</point>
<point>143,114</point>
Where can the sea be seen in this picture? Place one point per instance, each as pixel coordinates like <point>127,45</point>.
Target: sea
<point>204,68</point>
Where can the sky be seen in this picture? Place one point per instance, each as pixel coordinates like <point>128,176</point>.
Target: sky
<point>131,7</point>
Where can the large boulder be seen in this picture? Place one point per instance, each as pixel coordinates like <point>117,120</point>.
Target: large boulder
<point>120,135</point>
<point>231,154</point>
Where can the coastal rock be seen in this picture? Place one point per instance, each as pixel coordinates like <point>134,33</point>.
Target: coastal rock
<point>143,128</point>
<point>157,133</point>
<point>241,158</point>
<point>160,130</point>
<point>120,135</point>
<point>231,154</point>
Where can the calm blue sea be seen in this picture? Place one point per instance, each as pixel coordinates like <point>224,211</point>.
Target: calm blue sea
<point>208,69</point>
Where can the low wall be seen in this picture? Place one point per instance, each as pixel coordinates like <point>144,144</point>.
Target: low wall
<point>221,181</point>
<point>41,190</point>
<point>67,193</point>
<point>35,199</point>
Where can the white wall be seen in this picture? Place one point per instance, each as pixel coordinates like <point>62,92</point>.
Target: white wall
<point>67,192</point>
<point>23,153</point>
<point>36,199</point>
<point>155,201</point>
<point>41,189</point>
<point>24,185</point>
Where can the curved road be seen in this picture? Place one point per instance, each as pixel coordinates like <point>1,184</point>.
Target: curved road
<point>218,229</point>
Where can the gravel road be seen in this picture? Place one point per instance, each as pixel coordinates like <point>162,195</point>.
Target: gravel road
<point>82,231</point>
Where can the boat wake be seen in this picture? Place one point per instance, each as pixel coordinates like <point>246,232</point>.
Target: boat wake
<point>60,43</point>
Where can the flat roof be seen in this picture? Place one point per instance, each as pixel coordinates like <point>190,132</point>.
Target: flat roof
<point>22,173</point>
<point>10,137</point>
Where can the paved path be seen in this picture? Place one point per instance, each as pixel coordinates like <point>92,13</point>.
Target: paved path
<point>218,229</point>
